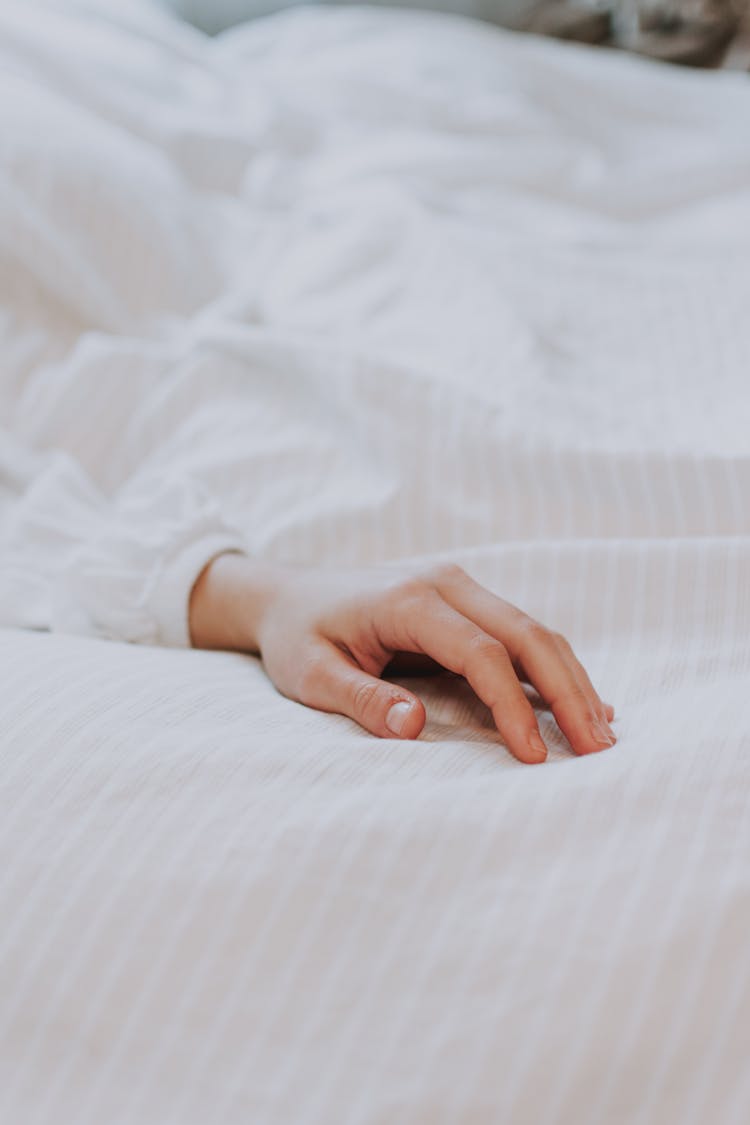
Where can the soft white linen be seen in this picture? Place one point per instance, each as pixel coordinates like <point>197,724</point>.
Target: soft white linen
<point>356,286</point>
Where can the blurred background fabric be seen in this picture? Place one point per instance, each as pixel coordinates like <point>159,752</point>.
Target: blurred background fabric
<point>215,15</point>
<point>694,32</point>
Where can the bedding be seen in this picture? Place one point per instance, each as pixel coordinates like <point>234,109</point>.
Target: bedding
<point>368,286</point>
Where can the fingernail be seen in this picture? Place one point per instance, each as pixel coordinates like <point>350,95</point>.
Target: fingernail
<point>603,733</point>
<point>537,747</point>
<point>396,718</point>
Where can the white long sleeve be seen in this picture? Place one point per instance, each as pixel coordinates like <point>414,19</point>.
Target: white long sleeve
<point>75,561</point>
<point>100,251</point>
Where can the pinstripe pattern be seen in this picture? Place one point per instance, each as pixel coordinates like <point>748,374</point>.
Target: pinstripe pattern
<point>460,296</point>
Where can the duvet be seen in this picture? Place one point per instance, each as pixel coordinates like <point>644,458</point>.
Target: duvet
<point>368,286</point>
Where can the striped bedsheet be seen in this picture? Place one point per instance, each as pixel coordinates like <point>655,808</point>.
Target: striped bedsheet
<point>416,289</point>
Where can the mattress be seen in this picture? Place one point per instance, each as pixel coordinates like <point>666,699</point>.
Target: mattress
<point>388,288</point>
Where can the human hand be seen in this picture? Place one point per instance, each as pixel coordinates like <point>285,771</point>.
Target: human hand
<point>327,636</point>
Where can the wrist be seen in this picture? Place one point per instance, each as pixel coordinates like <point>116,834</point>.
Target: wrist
<point>228,601</point>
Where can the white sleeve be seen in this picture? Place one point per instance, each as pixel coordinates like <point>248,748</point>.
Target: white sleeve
<point>74,560</point>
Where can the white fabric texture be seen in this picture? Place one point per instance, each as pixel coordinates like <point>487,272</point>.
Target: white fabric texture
<point>357,286</point>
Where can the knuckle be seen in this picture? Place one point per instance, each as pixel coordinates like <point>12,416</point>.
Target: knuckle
<point>447,574</point>
<point>534,634</point>
<point>426,582</point>
<point>560,640</point>
<point>365,698</point>
<point>414,600</point>
<point>412,590</point>
<point>483,647</point>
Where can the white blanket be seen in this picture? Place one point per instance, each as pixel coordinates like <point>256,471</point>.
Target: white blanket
<point>363,286</point>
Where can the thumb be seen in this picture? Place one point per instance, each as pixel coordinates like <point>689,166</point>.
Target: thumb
<point>384,709</point>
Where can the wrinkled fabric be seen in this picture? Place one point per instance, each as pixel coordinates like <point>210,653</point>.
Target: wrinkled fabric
<point>355,287</point>
<point>245,282</point>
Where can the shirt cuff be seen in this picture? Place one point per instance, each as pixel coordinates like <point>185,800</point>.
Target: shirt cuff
<point>170,599</point>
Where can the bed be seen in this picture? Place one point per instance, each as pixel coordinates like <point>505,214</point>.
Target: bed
<point>491,297</point>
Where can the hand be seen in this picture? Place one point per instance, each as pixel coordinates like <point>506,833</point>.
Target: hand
<point>326,638</point>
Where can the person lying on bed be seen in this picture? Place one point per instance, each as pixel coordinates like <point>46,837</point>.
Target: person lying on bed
<point>158,564</point>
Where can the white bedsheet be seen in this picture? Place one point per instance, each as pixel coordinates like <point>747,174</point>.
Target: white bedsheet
<point>364,286</point>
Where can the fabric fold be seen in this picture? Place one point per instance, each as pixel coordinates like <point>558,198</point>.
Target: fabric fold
<point>75,561</point>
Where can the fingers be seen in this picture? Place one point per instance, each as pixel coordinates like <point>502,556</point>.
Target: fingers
<point>436,629</point>
<point>333,682</point>
<point>544,658</point>
<point>603,710</point>
<point>549,664</point>
<point>453,621</point>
